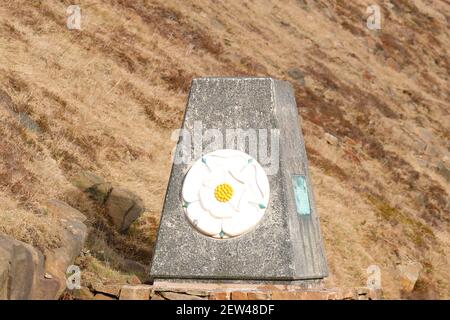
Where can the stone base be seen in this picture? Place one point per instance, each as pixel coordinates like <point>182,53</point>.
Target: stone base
<point>252,291</point>
<point>213,284</point>
<point>163,290</point>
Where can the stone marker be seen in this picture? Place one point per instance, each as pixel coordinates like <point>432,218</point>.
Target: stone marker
<point>239,205</point>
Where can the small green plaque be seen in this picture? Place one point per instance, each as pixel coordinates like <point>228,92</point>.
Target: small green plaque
<point>301,195</point>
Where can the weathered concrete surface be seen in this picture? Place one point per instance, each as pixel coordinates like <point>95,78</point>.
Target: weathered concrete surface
<point>284,246</point>
<point>22,275</point>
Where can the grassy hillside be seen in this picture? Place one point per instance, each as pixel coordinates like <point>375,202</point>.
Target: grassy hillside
<point>107,98</point>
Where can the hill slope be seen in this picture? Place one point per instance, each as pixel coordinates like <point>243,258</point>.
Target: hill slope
<point>107,98</point>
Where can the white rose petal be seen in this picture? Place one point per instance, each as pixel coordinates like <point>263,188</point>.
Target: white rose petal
<point>207,198</point>
<point>192,184</point>
<point>222,210</point>
<point>202,220</point>
<point>212,180</point>
<point>238,195</point>
<point>241,222</point>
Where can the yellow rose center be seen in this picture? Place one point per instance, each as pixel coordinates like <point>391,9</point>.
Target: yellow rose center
<point>223,192</point>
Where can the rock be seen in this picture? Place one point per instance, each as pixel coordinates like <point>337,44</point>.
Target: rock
<point>134,280</point>
<point>155,296</point>
<point>179,296</point>
<point>237,295</point>
<point>83,294</point>
<point>258,296</point>
<point>61,209</point>
<point>319,295</point>
<point>347,294</point>
<point>297,75</point>
<point>123,207</point>
<point>100,296</point>
<point>409,274</point>
<point>313,295</point>
<point>332,295</point>
<point>270,293</point>
<point>375,294</point>
<point>109,289</point>
<point>22,272</point>
<point>285,295</point>
<point>19,267</point>
<point>22,117</point>
<point>73,237</point>
<point>219,296</point>
<point>97,188</point>
<point>140,292</point>
<point>26,121</point>
<point>363,293</point>
<point>4,274</point>
<point>330,139</point>
<point>196,292</point>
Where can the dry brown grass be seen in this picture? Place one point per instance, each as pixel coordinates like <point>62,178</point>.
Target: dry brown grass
<point>39,230</point>
<point>106,98</point>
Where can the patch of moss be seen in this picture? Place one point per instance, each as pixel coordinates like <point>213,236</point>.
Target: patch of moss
<point>384,210</point>
<point>415,230</point>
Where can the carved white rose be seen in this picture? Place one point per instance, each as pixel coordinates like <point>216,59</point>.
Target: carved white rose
<point>225,193</point>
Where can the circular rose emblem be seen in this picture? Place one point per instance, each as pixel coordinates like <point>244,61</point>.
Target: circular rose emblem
<point>225,193</point>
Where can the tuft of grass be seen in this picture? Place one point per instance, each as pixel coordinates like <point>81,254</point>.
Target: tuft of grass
<point>95,271</point>
<point>326,165</point>
<point>41,231</point>
<point>253,66</point>
<point>178,80</point>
